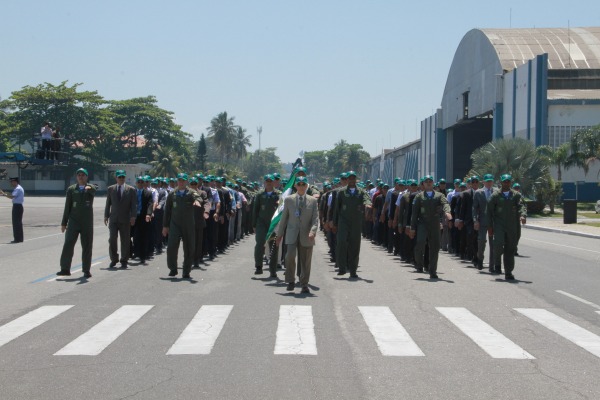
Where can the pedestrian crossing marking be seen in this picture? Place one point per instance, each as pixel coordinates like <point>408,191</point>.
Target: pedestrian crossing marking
<point>574,333</point>
<point>490,340</point>
<point>295,331</point>
<point>29,321</point>
<point>200,335</point>
<point>391,337</point>
<point>584,301</point>
<point>105,332</point>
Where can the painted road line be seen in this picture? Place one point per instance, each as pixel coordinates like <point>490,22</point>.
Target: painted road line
<point>295,331</point>
<point>584,301</point>
<point>561,245</point>
<point>574,333</point>
<point>73,269</point>
<point>62,277</point>
<point>105,332</point>
<point>27,322</point>
<point>200,335</point>
<point>390,336</point>
<point>490,340</point>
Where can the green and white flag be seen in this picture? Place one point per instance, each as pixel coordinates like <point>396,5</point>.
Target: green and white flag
<point>277,216</point>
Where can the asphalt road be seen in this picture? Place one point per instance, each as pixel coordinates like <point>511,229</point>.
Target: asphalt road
<point>391,334</point>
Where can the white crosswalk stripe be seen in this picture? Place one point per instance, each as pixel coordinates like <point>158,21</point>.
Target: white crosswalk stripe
<point>490,340</point>
<point>391,337</point>
<point>200,335</point>
<point>574,333</point>
<point>27,322</point>
<point>105,332</point>
<point>296,331</point>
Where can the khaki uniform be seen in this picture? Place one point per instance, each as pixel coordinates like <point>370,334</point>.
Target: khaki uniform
<point>179,218</point>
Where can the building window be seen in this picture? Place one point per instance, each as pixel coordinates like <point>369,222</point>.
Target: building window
<point>27,175</point>
<point>557,135</point>
<point>466,105</point>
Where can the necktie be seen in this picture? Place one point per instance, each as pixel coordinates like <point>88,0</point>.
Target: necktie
<point>487,194</point>
<point>301,201</point>
<point>119,192</point>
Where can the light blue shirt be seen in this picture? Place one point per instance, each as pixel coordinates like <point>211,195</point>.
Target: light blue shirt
<point>18,195</point>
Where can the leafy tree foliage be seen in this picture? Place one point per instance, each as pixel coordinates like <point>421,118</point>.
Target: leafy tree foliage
<point>166,162</point>
<point>262,162</point>
<point>517,157</point>
<point>221,132</point>
<point>585,148</point>
<point>201,153</point>
<point>343,157</point>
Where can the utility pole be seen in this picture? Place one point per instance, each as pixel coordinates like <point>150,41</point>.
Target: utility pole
<point>259,131</point>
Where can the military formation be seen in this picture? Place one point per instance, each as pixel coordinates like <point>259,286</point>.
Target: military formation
<point>207,214</point>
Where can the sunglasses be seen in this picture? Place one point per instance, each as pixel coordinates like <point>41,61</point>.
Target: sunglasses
<point>301,184</point>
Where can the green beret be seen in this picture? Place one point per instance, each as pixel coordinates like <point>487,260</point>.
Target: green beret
<point>351,173</point>
<point>488,178</point>
<point>183,176</point>
<point>269,177</point>
<point>301,179</point>
<point>119,173</point>
<point>82,170</point>
<point>427,177</point>
<point>506,177</point>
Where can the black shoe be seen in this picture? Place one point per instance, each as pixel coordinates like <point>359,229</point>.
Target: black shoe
<point>273,275</point>
<point>305,289</point>
<point>87,274</point>
<point>433,276</point>
<point>196,265</point>
<point>186,276</point>
<point>112,264</point>
<point>419,269</point>
<point>480,265</point>
<point>517,253</point>
<point>509,277</point>
<point>63,273</point>
<point>123,266</point>
<point>341,273</point>
<point>173,273</point>
<point>258,271</point>
<point>143,262</point>
<point>290,286</point>
<point>353,276</point>
<point>498,269</point>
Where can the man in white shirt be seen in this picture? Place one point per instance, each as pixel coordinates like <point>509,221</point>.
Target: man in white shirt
<point>17,196</point>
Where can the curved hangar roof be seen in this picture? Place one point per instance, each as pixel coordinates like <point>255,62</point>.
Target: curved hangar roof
<point>483,55</point>
<point>567,48</point>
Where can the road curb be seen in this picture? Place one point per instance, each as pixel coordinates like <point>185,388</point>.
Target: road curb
<point>573,233</point>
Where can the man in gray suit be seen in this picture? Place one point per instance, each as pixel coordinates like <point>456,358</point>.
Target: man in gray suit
<point>119,214</point>
<point>299,222</point>
<point>480,199</point>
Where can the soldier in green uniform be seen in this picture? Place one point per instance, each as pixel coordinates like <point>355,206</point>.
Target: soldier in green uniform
<point>517,187</point>
<point>348,216</point>
<point>265,203</point>
<point>505,209</point>
<point>179,224</point>
<point>78,219</point>
<point>426,219</point>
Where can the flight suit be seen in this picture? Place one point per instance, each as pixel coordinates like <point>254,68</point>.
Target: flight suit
<point>264,207</point>
<point>348,217</point>
<point>78,217</point>
<point>425,220</point>
<point>179,218</point>
<point>503,216</point>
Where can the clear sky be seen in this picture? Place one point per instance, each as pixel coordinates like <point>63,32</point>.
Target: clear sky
<point>309,72</point>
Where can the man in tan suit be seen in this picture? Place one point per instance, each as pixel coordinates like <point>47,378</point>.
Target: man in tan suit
<point>299,222</point>
<point>119,214</point>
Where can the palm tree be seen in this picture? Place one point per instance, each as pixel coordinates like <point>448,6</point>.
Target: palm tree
<point>557,156</point>
<point>221,132</point>
<point>585,148</point>
<point>166,162</point>
<point>240,143</point>
<point>517,157</point>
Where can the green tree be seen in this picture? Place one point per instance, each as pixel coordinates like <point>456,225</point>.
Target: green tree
<point>146,127</point>
<point>585,148</point>
<point>262,162</point>
<point>201,153</point>
<point>316,163</point>
<point>558,157</point>
<point>517,157</point>
<point>241,142</point>
<point>345,157</point>
<point>81,115</point>
<point>221,132</point>
<point>166,162</point>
